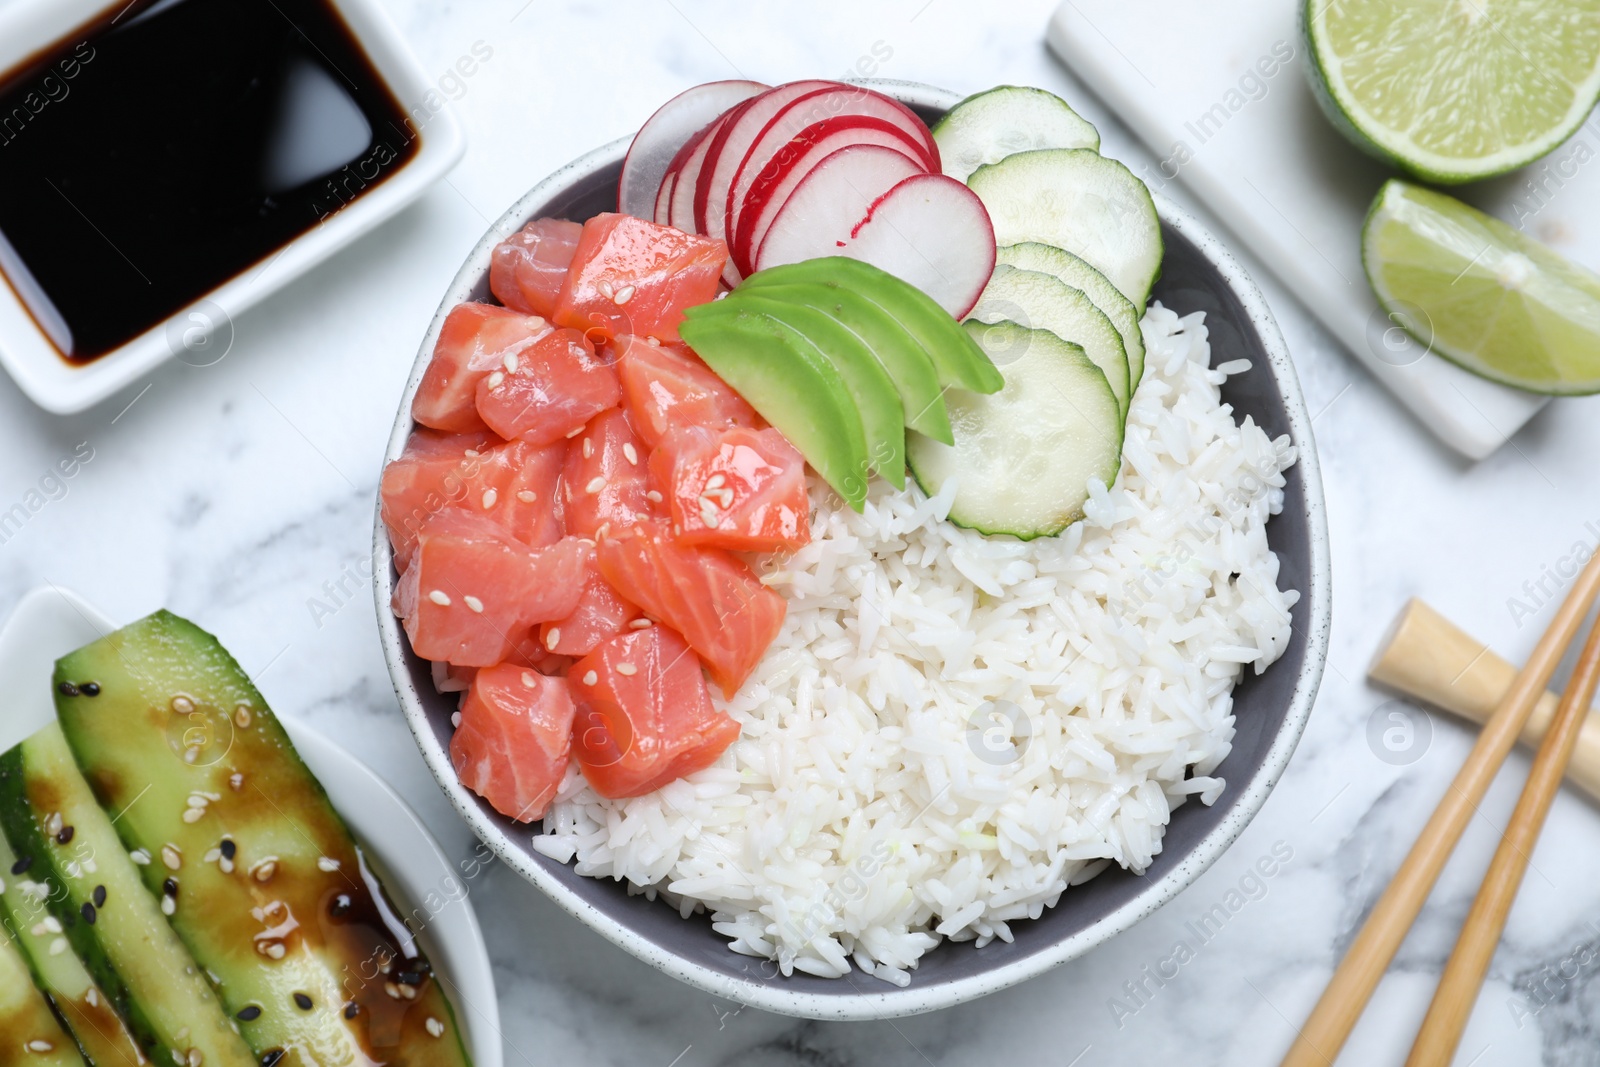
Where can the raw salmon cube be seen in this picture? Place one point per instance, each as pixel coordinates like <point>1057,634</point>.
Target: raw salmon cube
<point>475,339</point>
<point>526,269</point>
<point>548,390</point>
<point>739,489</point>
<point>606,478</point>
<point>666,386</point>
<point>630,276</point>
<point>514,740</point>
<point>601,613</point>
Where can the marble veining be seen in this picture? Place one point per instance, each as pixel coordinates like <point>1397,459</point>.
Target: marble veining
<point>241,494</point>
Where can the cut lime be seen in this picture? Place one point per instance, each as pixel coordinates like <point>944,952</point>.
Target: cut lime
<point>1455,90</point>
<point>1481,294</point>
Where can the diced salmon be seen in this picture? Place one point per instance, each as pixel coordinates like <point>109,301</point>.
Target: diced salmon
<point>473,593</point>
<point>739,489</point>
<point>475,339</point>
<point>630,276</point>
<point>548,390</point>
<point>514,740</point>
<point>664,386</point>
<point>601,613</point>
<point>708,595</point>
<point>606,478</point>
<point>526,269</point>
<point>644,717</point>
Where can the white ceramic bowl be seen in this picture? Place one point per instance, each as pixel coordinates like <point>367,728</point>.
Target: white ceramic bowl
<point>50,381</point>
<point>1271,710</point>
<point>49,622</point>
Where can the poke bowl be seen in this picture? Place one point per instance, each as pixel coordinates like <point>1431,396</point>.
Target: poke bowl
<point>1234,741</point>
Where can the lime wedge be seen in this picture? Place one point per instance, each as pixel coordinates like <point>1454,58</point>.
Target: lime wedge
<point>1481,294</point>
<point>1455,90</point>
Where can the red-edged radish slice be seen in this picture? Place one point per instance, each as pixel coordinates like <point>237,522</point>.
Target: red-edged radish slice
<point>933,232</point>
<point>661,214</point>
<point>791,163</point>
<point>658,140</point>
<point>824,208</point>
<point>680,209</point>
<point>729,146</point>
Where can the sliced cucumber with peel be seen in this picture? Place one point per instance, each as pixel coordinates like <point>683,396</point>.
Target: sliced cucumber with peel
<point>991,125</point>
<point>1044,302</point>
<point>1030,255</point>
<point>1078,200</point>
<point>1024,456</point>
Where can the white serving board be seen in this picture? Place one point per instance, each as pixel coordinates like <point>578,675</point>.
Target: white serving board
<point>1219,94</point>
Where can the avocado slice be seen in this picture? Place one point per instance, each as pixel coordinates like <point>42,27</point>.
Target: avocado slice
<point>81,1004</point>
<point>29,1031</point>
<point>70,860</point>
<point>870,386</point>
<point>921,396</point>
<point>793,388</point>
<point>269,891</point>
<point>956,357</point>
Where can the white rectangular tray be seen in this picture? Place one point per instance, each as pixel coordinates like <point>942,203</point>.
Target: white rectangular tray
<point>1220,96</point>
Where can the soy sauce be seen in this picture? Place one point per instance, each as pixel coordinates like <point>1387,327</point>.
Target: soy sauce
<point>175,144</point>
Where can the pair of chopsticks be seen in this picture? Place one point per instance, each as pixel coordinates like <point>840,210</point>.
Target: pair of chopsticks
<point>1335,1015</point>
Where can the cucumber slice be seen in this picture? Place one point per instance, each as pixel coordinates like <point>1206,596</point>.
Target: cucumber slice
<point>955,358</point>
<point>259,876</point>
<point>29,1031</point>
<point>921,397</point>
<point>68,853</point>
<point>991,125</point>
<point>1024,456</point>
<point>81,1004</point>
<point>1031,255</point>
<point>870,386</point>
<point>1081,201</point>
<point>1044,302</point>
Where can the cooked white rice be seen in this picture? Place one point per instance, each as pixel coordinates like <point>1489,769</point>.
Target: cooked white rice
<point>951,728</point>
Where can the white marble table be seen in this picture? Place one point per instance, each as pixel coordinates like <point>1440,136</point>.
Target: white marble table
<point>241,494</point>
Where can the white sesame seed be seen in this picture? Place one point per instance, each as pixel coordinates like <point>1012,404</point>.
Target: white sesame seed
<point>196,1058</point>
<point>473,604</point>
<point>58,946</point>
<point>40,1046</point>
<point>624,295</point>
<point>640,624</point>
<point>182,705</point>
<point>553,638</point>
<point>716,481</point>
<point>527,496</point>
<point>92,997</point>
<point>392,989</point>
<point>276,950</point>
<point>408,991</point>
<point>226,865</point>
<point>435,1027</point>
<point>588,447</point>
<point>496,380</point>
<point>327,865</point>
<point>605,289</point>
<point>653,496</point>
<point>575,432</point>
<point>197,800</point>
<point>473,453</point>
<point>726,496</point>
<point>510,362</point>
<point>193,815</point>
<point>53,824</point>
<point>708,515</point>
<point>440,597</point>
<point>590,678</point>
<point>263,871</point>
<point>191,753</point>
<point>489,497</point>
<point>242,717</point>
<point>236,781</point>
<point>653,342</point>
<point>455,718</point>
<point>630,452</point>
<point>168,905</point>
<point>171,857</point>
<point>595,485</point>
<point>529,680</point>
<point>89,866</point>
<point>140,856</point>
<point>213,856</point>
<point>627,670</point>
<point>52,924</point>
<point>38,930</point>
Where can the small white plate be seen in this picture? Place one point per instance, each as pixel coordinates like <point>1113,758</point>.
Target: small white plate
<point>26,26</point>
<point>50,622</point>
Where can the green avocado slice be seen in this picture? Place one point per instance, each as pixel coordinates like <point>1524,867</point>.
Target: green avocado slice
<point>921,396</point>
<point>870,386</point>
<point>956,357</point>
<point>256,871</point>
<point>792,386</point>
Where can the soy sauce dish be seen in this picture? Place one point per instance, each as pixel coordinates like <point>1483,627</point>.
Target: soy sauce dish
<point>190,156</point>
<point>850,623</point>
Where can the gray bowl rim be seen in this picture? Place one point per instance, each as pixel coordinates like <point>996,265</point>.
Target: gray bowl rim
<point>892,1002</point>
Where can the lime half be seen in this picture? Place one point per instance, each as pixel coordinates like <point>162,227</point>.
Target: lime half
<point>1481,294</point>
<point>1455,90</point>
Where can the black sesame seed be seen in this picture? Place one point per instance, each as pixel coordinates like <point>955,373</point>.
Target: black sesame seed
<point>88,912</point>
<point>99,896</point>
<point>229,849</point>
<point>271,1057</point>
<point>250,1014</point>
<point>339,908</point>
<point>351,1010</point>
<point>67,689</point>
<point>302,1002</point>
<point>64,835</point>
<point>90,689</point>
<point>22,865</point>
<point>422,967</point>
<point>411,978</point>
<point>170,887</point>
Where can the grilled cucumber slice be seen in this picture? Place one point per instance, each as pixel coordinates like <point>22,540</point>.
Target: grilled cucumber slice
<point>989,126</point>
<point>70,860</point>
<point>1031,255</point>
<point>29,1031</point>
<point>267,888</point>
<point>1024,456</point>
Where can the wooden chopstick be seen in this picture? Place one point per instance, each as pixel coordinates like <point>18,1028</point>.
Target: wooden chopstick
<point>1463,975</point>
<point>1352,985</point>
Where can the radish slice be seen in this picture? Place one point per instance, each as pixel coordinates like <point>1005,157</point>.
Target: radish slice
<point>789,166</point>
<point>826,205</point>
<point>660,215</point>
<point>680,209</point>
<point>665,132</point>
